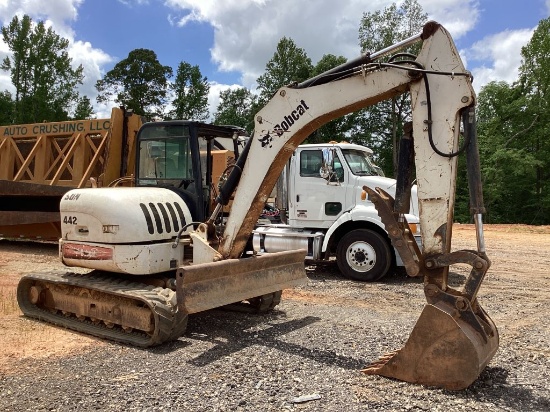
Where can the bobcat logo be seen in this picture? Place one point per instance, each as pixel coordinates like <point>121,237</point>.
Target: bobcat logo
<point>284,126</point>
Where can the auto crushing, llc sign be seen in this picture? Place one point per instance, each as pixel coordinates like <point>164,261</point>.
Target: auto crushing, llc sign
<point>56,128</point>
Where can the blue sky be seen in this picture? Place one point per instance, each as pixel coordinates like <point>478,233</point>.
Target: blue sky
<point>232,40</point>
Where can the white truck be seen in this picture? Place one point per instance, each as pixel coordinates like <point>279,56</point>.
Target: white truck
<point>318,199</point>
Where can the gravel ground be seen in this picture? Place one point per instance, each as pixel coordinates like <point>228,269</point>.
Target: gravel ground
<point>307,354</point>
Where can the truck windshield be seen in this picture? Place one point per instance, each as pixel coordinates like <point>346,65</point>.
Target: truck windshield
<point>165,156</point>
<point>360,163</point>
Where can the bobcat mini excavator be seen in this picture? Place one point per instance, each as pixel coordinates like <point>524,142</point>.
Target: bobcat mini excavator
<point>164,249</point>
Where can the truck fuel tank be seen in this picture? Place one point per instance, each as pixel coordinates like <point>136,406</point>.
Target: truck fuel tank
<point>278,238</point>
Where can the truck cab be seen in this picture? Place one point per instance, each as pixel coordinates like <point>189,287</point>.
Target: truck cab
<point>319,199</point>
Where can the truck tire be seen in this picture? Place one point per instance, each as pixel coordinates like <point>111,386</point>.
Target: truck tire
<point>363,255</point>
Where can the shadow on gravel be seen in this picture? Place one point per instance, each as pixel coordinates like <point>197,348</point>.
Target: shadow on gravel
<point>329,271</point>
<point>167,347</point>
<point>230,335</point>
<point>493,386</point>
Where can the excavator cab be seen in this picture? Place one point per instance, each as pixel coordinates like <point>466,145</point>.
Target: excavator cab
<point>186,157</point>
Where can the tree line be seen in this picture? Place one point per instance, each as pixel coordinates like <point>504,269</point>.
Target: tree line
<point>511,118</point>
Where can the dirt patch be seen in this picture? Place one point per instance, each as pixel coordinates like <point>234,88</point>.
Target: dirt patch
<point>22,338</point>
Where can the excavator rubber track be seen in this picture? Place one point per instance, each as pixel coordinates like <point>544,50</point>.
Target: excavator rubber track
<point>99,305</point>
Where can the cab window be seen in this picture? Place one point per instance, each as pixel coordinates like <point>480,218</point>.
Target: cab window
<point>310,163</point>
<point>164,156</point>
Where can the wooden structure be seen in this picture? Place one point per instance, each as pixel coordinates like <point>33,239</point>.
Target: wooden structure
<point>40,162</point>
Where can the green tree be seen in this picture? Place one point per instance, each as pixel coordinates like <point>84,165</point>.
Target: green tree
<point>84,109</point>
<point>138,82</point>
<point>237,107</point>
<point>513,127</point>
<point>508,156</point>
<point>191,93</point>
<point>40,70</point>
<point>6,108</point>
<point>288,64</point>
<point>380,126</point>
<point>534,82</point>
<point>17,37</point>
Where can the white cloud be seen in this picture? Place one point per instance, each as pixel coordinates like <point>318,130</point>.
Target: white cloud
<point>92,61</point>
<point>458,17</point>
<point>214,95</point>
<point>55,13</point>
<point>499,55</point>
<point>133,2</point>
<point>61,16</point>
<point>247,31</point>
<point>5,81</point>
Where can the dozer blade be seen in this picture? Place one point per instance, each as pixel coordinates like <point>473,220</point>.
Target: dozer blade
<point>210,285</point>
<point>444,350</point>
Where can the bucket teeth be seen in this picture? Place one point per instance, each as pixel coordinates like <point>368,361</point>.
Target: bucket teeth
<point>375,367</point>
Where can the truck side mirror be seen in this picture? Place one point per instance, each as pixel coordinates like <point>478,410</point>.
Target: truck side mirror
<point>327,167</point>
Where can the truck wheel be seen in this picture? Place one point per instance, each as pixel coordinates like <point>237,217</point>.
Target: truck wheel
<point>364,255</point>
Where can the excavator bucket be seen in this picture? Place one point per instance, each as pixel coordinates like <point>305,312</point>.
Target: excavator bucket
<point>210,285</point>
<point>445,349</point>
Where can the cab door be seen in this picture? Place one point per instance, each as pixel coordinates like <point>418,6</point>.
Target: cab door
<point>317,201</point>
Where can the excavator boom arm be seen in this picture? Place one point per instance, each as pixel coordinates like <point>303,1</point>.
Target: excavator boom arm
<point>294,113</point>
